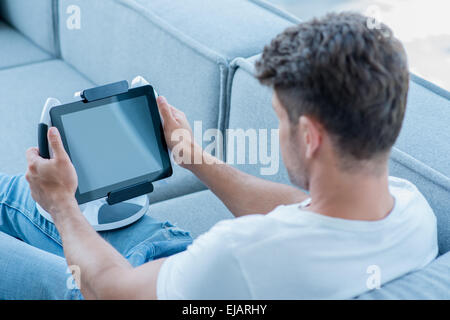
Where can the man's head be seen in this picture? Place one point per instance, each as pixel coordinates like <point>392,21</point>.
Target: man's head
<point>340,92</point>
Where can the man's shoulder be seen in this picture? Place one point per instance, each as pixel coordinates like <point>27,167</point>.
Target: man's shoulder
<point>403,187</point>
<point>408,197</point>
<point>400,183</point>
<point>242,226</point>
<point>249,228</point>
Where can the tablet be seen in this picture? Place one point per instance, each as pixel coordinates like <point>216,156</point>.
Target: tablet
<point>114,143</point>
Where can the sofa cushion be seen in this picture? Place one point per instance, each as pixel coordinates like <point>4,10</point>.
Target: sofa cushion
<point>34,19</point>
<point>187,62</point>
<point>424,135</point>
<point>195,213</point>
<point>434,185</point>
<point>422,150</point>
<point>431,282</point>
<point>233,28</point>
<point>23,92</point>
<point>182,182</point>
<point>420,154</point>
<point>18,50</point>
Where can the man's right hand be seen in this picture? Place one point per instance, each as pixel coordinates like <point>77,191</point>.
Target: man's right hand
<point>178,133</point>
<point>240,192</point>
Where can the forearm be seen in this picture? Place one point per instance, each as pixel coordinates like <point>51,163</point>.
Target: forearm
<point>242,193</point>
<point>101,272</point>
<point>99,263</point>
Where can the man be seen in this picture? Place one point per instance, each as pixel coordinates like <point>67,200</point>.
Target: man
<point>340,93</point>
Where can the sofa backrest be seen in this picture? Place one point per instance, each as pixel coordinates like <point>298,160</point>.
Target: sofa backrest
<point>35,19</point>
<point>251,109</point>
<point>187,62</point>
<point>421,154</point>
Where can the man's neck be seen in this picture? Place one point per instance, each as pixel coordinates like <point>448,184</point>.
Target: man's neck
<point>353,196</point>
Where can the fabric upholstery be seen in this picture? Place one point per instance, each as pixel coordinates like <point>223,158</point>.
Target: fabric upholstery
<point>182,182</point>
<point>195,213</point>
<point>17,50</point>
<point>434,186</point>
<point>23,92</point>
<point>432,282</point>
<point>35,19</point>
<point>251,108</point>
<point>187,62</point>
<point>427,115</point>
<point>197,66</point>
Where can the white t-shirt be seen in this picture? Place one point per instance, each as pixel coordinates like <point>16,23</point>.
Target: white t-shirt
<point>292,253</point>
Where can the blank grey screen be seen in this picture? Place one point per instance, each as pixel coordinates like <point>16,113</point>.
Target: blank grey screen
<point>112,143</point>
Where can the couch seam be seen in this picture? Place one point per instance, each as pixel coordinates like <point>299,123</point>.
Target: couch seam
<point>78,72</point>
<point>26,64</point>
<point>234,66</point>
<point>56,35</point>
<point>52,60</point>
<point>225,76</point>
<point>276,10</point>
<point>242,63</point>
<point>226,115</point>
<point>407,161</point>
<point>430,86</point>
<point>190,43</point>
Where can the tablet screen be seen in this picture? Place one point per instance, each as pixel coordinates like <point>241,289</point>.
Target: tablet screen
<point>113,143</point>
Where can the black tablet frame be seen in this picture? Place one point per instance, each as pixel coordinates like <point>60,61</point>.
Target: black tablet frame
<point>56,117</point>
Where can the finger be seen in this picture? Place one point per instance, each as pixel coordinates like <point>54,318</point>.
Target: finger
<point>177,113</point>
<point>32,153</point>
<point>33,159</point>
<point>180,116</point>
<point>56,144</point>
<point>164,109</point>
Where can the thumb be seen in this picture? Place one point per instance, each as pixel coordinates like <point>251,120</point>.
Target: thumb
<point>56,144</point>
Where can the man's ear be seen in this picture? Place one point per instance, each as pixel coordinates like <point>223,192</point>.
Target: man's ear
<point>311,135</point>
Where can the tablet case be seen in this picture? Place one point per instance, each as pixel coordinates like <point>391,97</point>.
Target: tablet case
<point>90,95</point>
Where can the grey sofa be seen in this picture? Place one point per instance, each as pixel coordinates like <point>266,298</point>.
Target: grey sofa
<point>200,54</point>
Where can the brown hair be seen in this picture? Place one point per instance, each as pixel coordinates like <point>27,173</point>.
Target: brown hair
<point>351,78</point>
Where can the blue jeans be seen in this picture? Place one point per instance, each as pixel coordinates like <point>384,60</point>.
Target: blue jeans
<point>32,264</point>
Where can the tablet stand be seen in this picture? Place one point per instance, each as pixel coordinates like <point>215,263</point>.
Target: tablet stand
<point>121,207</point>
